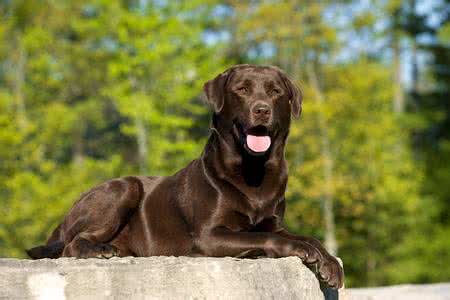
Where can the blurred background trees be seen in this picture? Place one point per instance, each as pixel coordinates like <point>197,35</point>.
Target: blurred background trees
<point>91,90</point>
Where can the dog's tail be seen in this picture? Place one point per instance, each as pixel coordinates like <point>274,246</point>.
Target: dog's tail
<point>52,250</point>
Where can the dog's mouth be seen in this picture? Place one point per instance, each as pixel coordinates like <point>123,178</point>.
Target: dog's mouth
<point>256,140</point>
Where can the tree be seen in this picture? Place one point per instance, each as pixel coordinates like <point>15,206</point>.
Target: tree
<point>91,86</point>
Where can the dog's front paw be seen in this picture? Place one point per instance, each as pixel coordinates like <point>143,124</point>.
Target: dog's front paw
<point>106,251</point>
<point>330,271</point>
<point>307,253</point>
<point>98,251</point>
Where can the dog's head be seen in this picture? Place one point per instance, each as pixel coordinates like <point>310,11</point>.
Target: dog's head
<point>254,104</point>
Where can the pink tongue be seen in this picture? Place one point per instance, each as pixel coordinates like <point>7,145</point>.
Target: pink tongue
<point>258,143</point>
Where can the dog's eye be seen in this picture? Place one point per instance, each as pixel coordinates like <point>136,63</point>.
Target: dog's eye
<point>243,90</point>
<point>275,92</point>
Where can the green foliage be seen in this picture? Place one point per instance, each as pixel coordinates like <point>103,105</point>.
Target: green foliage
<point>91,72</point>
<point>91,90</point>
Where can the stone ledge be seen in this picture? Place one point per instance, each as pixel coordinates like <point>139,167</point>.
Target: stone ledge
<point>159,278</point>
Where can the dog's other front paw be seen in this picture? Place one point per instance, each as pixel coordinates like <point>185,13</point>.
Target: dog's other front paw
<point>308,253</point>
<point>107,251</point>
<point>98,251</point>
<point>330,271</point>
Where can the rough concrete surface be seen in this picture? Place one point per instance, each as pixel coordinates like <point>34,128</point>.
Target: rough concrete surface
<point>159,278</point>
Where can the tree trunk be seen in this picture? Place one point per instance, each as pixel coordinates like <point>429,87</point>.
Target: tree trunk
<point>415,68</point>
<point>78,148</point>
<point>399,99</point>
<point>141,132</point>
<point>327,198</point>
<point>19,81</point>
<point>141,136</point>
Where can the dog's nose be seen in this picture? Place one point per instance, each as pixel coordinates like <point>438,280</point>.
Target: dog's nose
<point>261,110</point>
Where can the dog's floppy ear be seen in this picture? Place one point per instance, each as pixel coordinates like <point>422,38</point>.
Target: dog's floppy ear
<point>295,100</point>
<point>215,90</point>
<point>295,94</point>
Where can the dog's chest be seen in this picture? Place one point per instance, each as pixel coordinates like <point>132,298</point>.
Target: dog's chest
<point>257,218</point>
<point>246,217</point>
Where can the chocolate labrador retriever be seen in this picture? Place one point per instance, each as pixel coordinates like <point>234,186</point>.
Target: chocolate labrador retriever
<point>228,202</point>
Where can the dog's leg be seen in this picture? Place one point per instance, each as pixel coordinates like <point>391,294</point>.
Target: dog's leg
<point>83,248</point>
<point>224,242</point>
<point>328,268</point>
<point>99,217</point>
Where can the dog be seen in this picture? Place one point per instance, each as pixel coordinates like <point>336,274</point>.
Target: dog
<point>228,202</point>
